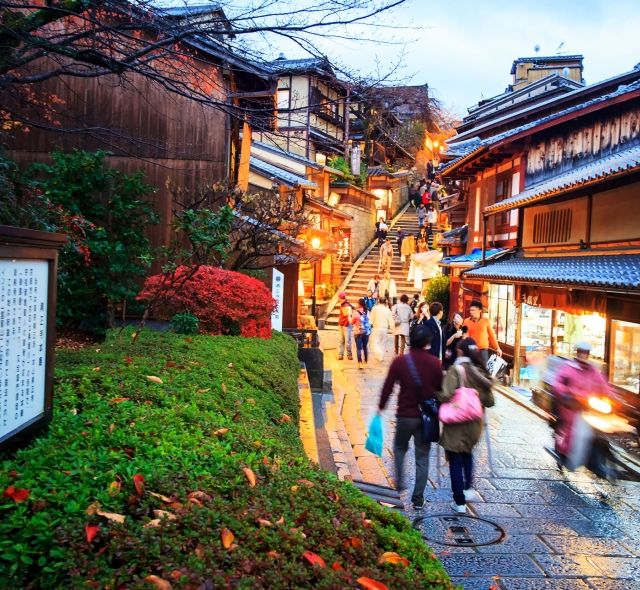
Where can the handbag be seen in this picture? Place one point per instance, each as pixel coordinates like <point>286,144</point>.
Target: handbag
<point>375,437</point>
<point>429,424</point>
<point>464,406</point>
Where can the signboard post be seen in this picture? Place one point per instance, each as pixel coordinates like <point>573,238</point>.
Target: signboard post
<point>28,270</point>
<point>277,291</point>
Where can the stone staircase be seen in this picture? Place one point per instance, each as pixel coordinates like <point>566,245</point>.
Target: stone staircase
<point>357,286</point>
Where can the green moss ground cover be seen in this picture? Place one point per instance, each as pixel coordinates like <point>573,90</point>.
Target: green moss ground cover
<point>159,455</point>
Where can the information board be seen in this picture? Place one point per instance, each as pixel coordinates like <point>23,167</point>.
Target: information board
<point>277,291</point>
<point>23,342</point>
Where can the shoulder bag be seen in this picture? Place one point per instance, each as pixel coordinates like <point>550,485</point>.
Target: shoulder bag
<point>430,427</point>
<point>464,406</point>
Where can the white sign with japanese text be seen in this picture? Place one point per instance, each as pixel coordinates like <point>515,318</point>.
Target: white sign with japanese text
<point>23,339</point>
<point>277,291</point>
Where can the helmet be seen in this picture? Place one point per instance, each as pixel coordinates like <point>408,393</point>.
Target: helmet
<point>583,346</point>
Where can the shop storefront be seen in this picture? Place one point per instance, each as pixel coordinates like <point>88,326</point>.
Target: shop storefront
<point>624,369</point>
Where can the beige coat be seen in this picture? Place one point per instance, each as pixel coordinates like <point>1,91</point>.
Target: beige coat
<point>408,246</point>
<point>461,438</point>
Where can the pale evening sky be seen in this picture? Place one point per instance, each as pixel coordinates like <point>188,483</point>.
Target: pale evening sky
<point>465,48</point>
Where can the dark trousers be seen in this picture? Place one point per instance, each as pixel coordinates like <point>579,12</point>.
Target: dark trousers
<point>484,356</point>
<point>405,429</point>
<point>461,472</point>
<point>362,347</point>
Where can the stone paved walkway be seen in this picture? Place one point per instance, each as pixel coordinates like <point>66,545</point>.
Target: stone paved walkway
<point>561,531</point>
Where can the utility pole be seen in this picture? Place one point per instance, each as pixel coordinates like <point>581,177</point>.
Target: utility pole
<point>347,107</point>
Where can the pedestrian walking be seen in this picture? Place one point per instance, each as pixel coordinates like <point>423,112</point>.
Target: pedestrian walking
<point>402,234</point>
<point>415,301</point>
<point>479,328</point>
<point>386,256</point>
<point>420,377</point>
<point>381,230</point>
<point>421,315</point>
<point>432,219</point>
<point>421,244</point>
<point>436,312</point>
<point>388,289</point>
<point>459,439</point>
<point>422,215</point>
<point>374,286</point>
<point>361,332</point>
<point>345,327</point>
<point>408,248</point>
<point>452,335</point>
<point>402,316</point>
<point>381,324</point>
<point>369,300</point>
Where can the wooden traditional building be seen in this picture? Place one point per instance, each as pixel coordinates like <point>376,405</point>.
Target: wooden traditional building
<point>559,195</point>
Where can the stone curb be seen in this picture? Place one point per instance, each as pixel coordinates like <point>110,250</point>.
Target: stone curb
<point>306,425</point>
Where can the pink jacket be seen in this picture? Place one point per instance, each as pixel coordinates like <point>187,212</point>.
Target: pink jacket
<point>580,380</point>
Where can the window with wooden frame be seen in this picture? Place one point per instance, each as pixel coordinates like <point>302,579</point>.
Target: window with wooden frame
<point>503,191</point>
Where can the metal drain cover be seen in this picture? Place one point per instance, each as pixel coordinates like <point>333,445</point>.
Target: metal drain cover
<point>459,530</point>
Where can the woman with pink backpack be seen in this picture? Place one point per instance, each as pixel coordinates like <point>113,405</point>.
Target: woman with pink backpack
<point>466,390</point>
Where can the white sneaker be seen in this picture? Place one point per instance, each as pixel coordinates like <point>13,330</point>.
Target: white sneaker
<point>470,495</point>
<point>459,508</point>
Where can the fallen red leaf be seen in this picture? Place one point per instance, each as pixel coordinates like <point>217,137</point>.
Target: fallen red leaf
<point>117,400</point>
<point>128,360</point>
<point>336,566</point>
<point>314,559</point>
<point>18,495</point>
<point>91,531</point>
<point>138,482</point>
<point>158,582</point>
<point>370,584</point>
<point>227,537</point>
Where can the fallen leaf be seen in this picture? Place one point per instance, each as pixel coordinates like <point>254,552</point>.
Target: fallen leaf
<point>355,542</point>
<point>111,516</point>
<point>195,501</point>
<point>306,482</point>
<point>223,387</point>
<point>285,418</point>
<point>221,432</point>
<point>265,460</point>
<point>264,522</point>
<point>257,444</point>
<point>314,559</point>
<point>152,524</point>
<point>114,488</point>
<point>92,508</point>
<point>18,495</point>
<point>236,417</point>
<point>370,584</point>
<point>164,514</point>
<point>96,369</point>
<point>176,574</point>
<point>128,360</point>
<point>336,566</point>
<point>250,475</point>
<point>91,531</point>
<point>230,365</point>
<point>199,551</point>
<point>155,379</point>
<point>138,482</point>
<point>273,554</point>
<point>158,582</point>
<point>176,506</point>
<point>170,364</point>
<point>204,390</point>
<point>202,496</point>
<point>112,427</point>
<point>227,537</point>
<point>280,520</point>
<point>333,496</point>
<point>294,489</point>
<point>118,400</point>
<point>160,497</point>
<point>392,557</point>
<point>251,401</point>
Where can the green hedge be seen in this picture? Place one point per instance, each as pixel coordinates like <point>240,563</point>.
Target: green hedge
<point>112,423</point>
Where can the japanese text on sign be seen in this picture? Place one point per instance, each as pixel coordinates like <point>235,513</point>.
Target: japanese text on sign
<point>23,335</point>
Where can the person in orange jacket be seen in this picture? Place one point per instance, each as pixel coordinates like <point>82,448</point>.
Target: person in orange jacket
<point>479,328</point>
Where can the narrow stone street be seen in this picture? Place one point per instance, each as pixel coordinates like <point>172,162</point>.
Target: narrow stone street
<point>562,531</point>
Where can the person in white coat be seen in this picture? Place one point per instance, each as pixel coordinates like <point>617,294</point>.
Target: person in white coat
<point>402,316</point>
<point>381,324</point>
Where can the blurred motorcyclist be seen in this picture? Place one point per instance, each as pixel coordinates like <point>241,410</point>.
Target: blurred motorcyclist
<point>575,382</point>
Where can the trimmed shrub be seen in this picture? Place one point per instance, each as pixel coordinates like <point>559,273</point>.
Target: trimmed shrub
<point>225,302</point>
<point>184,323</point>
<point>176,462</point>
<point>437,289</point>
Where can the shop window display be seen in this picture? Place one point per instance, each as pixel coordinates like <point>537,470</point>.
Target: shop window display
<point>625,355</point>
<point>570,329</point>
<point>535,340</point>
<point>502,313</point>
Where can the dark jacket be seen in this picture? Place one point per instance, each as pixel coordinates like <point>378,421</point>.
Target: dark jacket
<point>437,340</point>
<point>430,372</point>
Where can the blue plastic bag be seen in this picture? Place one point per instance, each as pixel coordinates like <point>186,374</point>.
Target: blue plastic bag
<point>374,440</point>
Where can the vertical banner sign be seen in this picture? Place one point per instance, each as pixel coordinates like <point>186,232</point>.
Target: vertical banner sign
<point>355,160</point>
<point>277,291</point>
<point>23,342</point>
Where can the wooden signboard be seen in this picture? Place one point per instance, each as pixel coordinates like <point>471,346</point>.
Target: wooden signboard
<point>28,270</point>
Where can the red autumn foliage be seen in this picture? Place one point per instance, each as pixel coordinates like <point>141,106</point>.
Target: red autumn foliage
<point>91,531</point>
<point>138,482</point>
<point>16,494</point>
<point>224,301</point>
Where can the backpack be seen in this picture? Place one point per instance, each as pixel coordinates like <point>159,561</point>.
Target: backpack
<point>365,324</point>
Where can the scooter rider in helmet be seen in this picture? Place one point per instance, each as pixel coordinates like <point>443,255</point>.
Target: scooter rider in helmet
<point>575,382</point>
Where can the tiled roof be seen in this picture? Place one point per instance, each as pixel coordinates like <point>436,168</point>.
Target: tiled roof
<point>191,10</point>
<point>300,65</point>
<point>621,271</point>
<point>285,154</point>
<point>473,258</point>
<point>455,236</point>
<point>489,142</point>
<point>621,162</point>
<point>284,176</point>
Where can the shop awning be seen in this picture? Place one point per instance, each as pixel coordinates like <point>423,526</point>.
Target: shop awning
<point>617,164</point>
<point>473,258</point>
<point>620,271</point>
